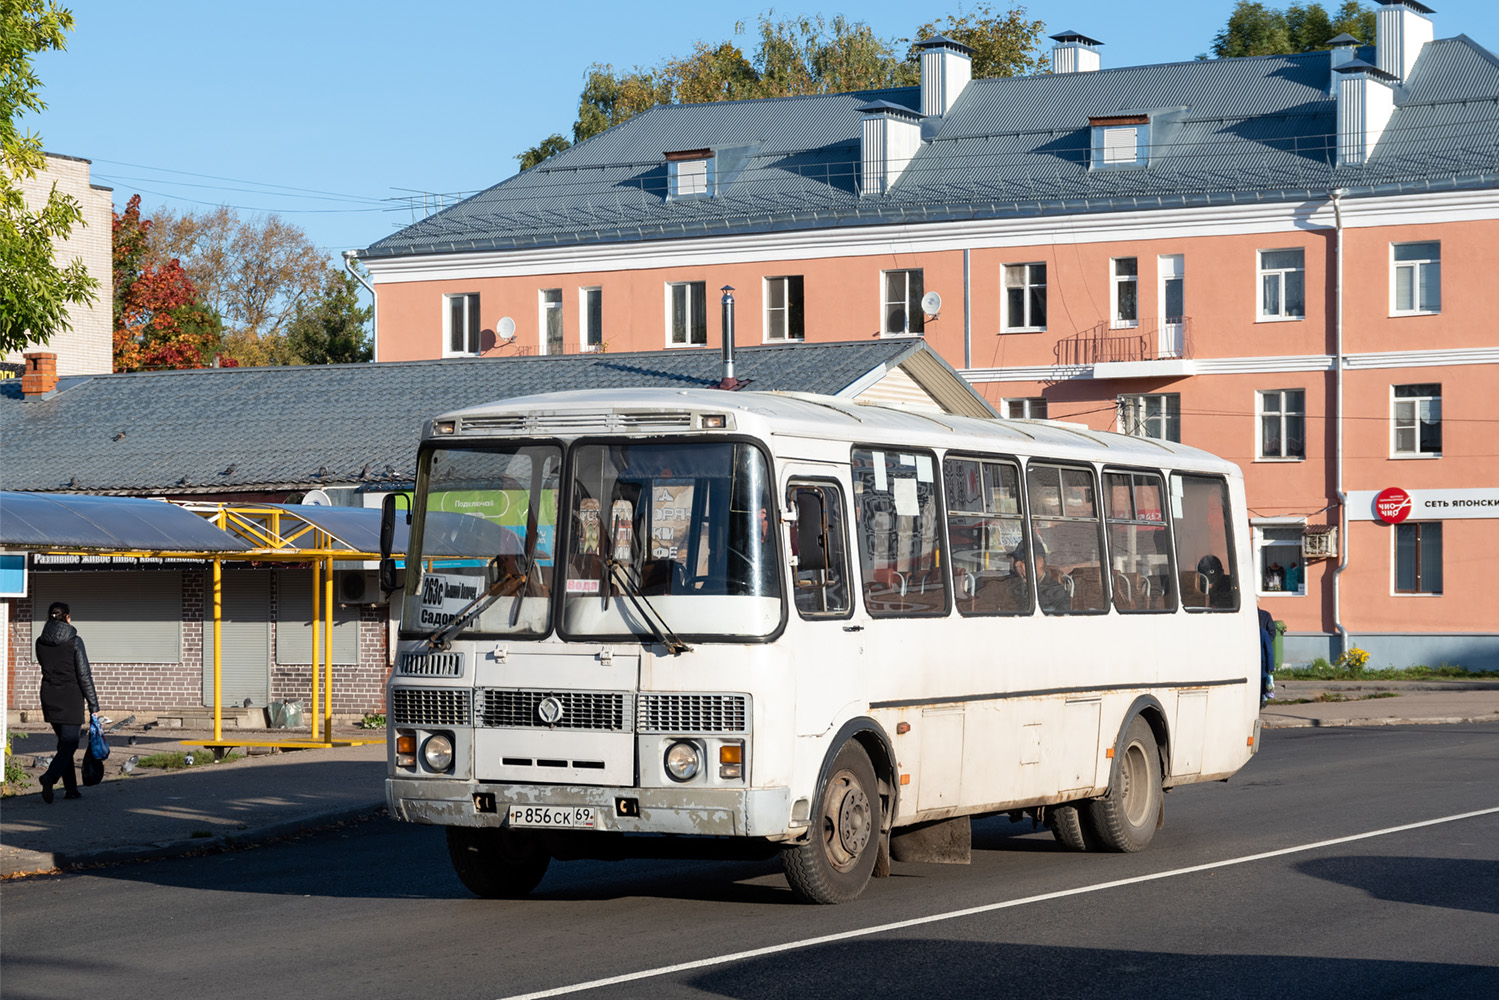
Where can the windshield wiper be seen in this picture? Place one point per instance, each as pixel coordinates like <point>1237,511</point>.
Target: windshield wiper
<point>662,632</point>
<point>504,585</point>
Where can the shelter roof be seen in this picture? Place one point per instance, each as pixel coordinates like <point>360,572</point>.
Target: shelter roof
<point>220,431</point>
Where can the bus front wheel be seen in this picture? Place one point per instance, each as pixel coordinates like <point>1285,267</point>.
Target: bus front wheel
<point>835,863</point>
<point>1125,817</point>
<point>497,863</point>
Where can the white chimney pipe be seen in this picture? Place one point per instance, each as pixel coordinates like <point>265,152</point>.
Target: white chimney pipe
<point>1402,27</point>
<point>946,68</point>
<point>1075,52</point>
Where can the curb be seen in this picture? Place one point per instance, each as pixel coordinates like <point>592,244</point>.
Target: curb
<point>1336,723</point>
<point>52,864</point>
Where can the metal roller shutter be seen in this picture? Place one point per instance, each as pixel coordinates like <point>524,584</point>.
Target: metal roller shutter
<point>294,621</point>
<point>246,646</point>
<point>125,617</point>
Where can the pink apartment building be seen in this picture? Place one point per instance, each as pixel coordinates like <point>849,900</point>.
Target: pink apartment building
<point>1286,260</point>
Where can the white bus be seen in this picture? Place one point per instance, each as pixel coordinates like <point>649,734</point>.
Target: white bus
<point>707,623</point>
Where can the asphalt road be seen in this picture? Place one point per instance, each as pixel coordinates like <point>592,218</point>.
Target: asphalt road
<point>1304,876</point>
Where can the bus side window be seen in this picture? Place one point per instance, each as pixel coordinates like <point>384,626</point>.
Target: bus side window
<point>984,526</point>
<point>1139,549</point>
<point>1067,540</point>
<point>1204,543</point>
<point>820,546</point>
<point>900,536</point>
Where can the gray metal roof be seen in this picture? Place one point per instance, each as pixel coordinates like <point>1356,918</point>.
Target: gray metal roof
<point>219,431</point>
<point>1260,128</point>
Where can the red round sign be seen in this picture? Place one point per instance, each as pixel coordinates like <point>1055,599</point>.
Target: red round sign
<point>1392,505</point>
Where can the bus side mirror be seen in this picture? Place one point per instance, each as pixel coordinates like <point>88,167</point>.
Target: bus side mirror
<point>811,532</point>
<point>391,578</point>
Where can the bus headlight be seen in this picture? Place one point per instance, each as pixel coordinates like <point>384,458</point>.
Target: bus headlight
<point>683,761</point>
<point>437,753</point>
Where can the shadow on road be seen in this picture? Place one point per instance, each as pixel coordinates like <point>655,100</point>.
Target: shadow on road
<point>935,967</point>
<point>1452,883</point>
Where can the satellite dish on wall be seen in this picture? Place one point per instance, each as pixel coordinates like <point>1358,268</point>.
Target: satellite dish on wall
<point>931,303</point>
<point>505,328</point>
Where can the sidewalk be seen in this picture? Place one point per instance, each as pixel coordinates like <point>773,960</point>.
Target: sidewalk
<point>154,814</point>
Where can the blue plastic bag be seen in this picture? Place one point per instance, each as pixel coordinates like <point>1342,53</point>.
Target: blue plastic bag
<point>97,745</point>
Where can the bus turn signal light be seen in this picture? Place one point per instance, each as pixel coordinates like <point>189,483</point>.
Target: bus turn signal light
<point>405,750</point>
<point>731,753</point>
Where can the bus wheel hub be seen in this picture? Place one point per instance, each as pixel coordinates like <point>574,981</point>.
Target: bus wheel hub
<point>853,820</point>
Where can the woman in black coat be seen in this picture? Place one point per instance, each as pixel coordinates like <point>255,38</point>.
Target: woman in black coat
<point>66,685</point>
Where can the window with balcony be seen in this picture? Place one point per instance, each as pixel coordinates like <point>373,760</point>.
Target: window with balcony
<point>1025,297</point>
<point>1416,278</point>
<point>461,320</point>
<point>1172,271</point>
<point>1417,420</point>
<point>783,308</point>
<point>1125,293</point>
<point>592,310</point>
<point>1282,416</point>
<point>1282,284</point>
<point>901,306</point>
<point>1153,416</point>
<point>551,321</point>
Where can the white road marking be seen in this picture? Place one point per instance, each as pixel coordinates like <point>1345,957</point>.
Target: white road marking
<point>775,949</point>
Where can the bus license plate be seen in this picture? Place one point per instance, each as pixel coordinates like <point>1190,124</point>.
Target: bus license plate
<point>567,817</point>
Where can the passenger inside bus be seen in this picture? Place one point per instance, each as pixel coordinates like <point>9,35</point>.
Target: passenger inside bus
<point>1053,596</point>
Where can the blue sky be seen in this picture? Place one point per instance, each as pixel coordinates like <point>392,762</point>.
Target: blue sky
<point>324,112</point>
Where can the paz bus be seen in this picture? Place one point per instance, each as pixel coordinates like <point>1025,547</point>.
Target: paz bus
<point>734,624</point>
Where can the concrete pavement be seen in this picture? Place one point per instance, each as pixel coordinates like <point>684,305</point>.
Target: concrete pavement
<point>153,814</point>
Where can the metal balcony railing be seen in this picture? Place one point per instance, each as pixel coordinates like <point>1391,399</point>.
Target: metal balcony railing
<point>1147,342</point>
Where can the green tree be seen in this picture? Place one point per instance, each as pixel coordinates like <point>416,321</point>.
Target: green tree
<point>330,329</point>
<point>793,56</point>
<point>34,292</point>
<point>1254,29</point>
<point>1004,44</point>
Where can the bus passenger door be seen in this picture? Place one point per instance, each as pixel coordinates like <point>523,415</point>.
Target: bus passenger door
<point>821,597</point>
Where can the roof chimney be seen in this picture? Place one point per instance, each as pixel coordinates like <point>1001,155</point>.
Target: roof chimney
<point>1401,28</point>
<point>1074,52</point>
<point>946,68</point>
<point>891,137</point>
<point>1366,100</point>
<point>1344,51</point>
<point>41,373</point>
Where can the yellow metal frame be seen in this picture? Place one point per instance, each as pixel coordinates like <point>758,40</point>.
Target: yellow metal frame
<point>276,535</point>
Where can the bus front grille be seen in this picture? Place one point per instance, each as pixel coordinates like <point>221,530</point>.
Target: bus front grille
<point>593,710</point>
<point>429,707</point>
<point>432,664</point>
<point>692,713</point>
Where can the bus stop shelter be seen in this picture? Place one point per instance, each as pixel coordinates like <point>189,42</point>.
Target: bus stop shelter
<point>214,533</point>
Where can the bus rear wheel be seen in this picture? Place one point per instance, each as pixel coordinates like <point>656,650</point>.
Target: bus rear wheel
<point>835,863</point>
<point>1070,826</point>
<point>497,863</point>
<point>1125,818</point>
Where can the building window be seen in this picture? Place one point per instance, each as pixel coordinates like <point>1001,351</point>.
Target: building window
<point>1418,419</point>
<point>1282,284</point>
<point>1027,408</point>
<point>1126,292</point>
<point>1155,416</point>
<point>1172,269</point>
<point>1417,277</point>
<point>1025,296</point>
<point>1121,142</point>
<point>551,321</point>
<point>1418,557</point>
<point>1282,423</point>
<point>689,173</point>
<point>1279,559</point>
<point>689,312</point>
<point>592,308</point>
<point>783,308</point>
<point>461,318</point>
<point>902,303</point>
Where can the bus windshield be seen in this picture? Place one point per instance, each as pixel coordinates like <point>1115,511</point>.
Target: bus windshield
<point>485,540</point>
<point>685,528</point>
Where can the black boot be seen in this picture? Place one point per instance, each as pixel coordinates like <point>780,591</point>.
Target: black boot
<point>46,791</point>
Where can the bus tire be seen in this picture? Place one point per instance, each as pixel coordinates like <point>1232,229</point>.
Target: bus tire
<point>1125,817</point>
<point>835,863</point>
<point>497,863</point>
<point>1070,826</point>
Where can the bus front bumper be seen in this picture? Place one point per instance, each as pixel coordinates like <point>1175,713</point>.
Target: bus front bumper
<point>711,812</point>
